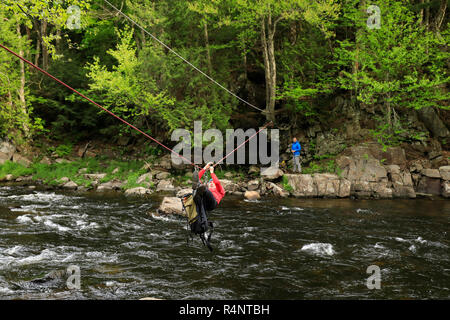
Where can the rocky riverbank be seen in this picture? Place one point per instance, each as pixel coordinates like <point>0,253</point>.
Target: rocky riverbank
<point>362,171</point>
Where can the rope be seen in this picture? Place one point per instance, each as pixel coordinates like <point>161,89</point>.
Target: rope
<point>95,103</point>
<point>122,120</point>
<point>184,59</point>
<point>243,143</point>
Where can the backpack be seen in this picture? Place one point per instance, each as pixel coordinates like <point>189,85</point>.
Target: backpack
<point>197,220</point>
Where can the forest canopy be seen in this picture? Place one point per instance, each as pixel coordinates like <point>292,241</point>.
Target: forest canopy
<point>292,58</point>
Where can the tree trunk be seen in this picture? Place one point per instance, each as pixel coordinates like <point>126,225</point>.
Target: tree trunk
<point>440,16</point>
<point>143,38</point>
<point>269,65</point>
<point>421,13</point>
<point>208,53</point>
<point>38,44</point>
<point>21,91</point>
<point>44,45</point>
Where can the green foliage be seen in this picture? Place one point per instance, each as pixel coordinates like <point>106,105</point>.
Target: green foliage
<point>323,166</point>
<point>64,150</point>
<point>286,185</point>
<point>399,65</point>
<point>15,169</point>
<point>322,49</point>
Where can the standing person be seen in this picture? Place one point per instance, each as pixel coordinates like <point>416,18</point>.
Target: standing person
<point>295,149</point>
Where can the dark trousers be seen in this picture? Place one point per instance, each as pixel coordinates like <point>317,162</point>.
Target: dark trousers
<point>206,202</point>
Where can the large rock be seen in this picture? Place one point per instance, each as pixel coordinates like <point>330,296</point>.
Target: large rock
<point>139,191</point>
<point>361,169</point>
<point>21,160</point>
<point>319,185</point>
<point>165,185</point>
<point>402,183</point>
<point>433,123</point>
<point>162,175</point>
<point>171,205</point>
<point>429,185</point>
<point>329,143</point>
<point>366,189</point>
<point>431,173</point>
<point>392,155</point>
<point>111,185</point>
<point>253,185</point>
<point>445,172</point>
<point>146,177</point>
<point>6,151</point>
<point>183,192</point>
<point>277,190</point>
<point>271,173</point>
<point>302,185</point>
<point>252,195</point>
<point>70,185</point>
<point>446,189</point>
<point>229,186</point>
<point>8,177</point>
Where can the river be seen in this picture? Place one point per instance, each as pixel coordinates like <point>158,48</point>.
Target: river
<point>268,249</point>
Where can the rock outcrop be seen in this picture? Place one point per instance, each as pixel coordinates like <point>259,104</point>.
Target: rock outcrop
<point>319,185</point>
<point>171,205</point>
<point>7,150</point>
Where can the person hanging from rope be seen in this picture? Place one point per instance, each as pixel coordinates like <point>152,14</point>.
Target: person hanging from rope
<point>204,198</point>
<point>208,195</point>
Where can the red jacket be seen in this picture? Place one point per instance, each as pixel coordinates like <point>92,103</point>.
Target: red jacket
<point>218,192</point>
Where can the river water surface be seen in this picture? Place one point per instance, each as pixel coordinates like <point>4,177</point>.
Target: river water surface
<point>269,249</point>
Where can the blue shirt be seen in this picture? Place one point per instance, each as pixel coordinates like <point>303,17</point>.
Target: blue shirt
<point>296,147</point>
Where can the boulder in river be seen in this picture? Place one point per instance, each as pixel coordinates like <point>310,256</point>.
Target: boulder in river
<point>252,195</point>
<point>171,205</point>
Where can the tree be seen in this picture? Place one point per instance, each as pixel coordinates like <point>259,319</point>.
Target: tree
<point>399,65</point>
<point>264,16</point>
